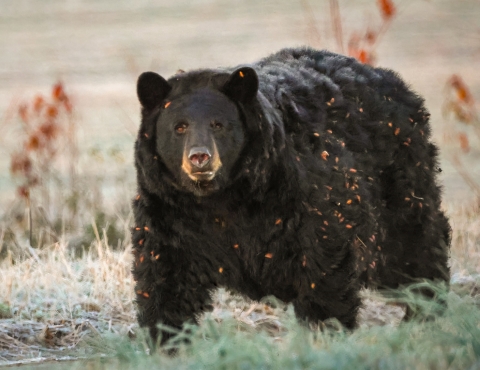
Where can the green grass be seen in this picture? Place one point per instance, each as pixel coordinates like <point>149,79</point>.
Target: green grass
<point>450,341</point>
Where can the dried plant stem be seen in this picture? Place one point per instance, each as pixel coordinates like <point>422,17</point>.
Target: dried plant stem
<point>30,222</point>
<point>337,24</point>
<point>74,158</point>
<point>311,22</point>
<point>457,164</point>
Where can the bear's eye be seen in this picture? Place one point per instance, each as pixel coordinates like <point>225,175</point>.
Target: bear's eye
<point>216,125</point>
<point>181,127</point>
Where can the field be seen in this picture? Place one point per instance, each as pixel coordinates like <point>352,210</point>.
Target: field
<point>66,292</point>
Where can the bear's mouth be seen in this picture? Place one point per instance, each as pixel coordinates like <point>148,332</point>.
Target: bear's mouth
<point>202,176</point>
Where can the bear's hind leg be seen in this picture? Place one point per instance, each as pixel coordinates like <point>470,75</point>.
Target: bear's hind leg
<point>417,233</point>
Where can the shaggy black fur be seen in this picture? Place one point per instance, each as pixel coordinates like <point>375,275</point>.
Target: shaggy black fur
<point>334,187</point>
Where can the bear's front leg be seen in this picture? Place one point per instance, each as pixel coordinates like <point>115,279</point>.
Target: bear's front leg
<point>333,293</point>
<point>170,291</point>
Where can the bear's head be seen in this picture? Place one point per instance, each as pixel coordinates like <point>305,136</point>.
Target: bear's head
<point>199,125</point>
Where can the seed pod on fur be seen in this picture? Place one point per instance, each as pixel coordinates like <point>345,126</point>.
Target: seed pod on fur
<point>352,170</point>
<point>347,115</point>
<point>328,187</point>
<point>316,134</point>
<point>360,110</point>
<point>268,255</point>
<point>348,226</point>
<point>330,131</point>
<point>146,228</point>
<point>220,270</point>
<point>146,295</point>
<point>397,131</point>
<point>349,201</point>
<point>304,261</point>
<point>324,155</point>
<point>139,292</point>
<point>390,124</point>
<point>137,228</point>
<point>141,258</point>
<point>167,104</point>
<point>278,222</point>
<point>137,197</point>
<point>297,158</point>
<point>358,198</point>
<point>141,242</point>
<point>325,223</point>
<point>312,285</point>
<point>235,246</point>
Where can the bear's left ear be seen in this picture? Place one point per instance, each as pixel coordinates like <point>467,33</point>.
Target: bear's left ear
<point>242,85</point>
<point>152,89</point>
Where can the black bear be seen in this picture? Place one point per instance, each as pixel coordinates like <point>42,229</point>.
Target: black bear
<point>305,176</point>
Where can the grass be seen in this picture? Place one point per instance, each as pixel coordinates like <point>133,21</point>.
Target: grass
<point>56,305</point>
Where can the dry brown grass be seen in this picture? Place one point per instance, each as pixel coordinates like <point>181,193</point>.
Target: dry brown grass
<point>465,255</point>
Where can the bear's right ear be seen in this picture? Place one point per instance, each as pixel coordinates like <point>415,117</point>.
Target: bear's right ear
<point>242,85</point>
<point>151,89</point>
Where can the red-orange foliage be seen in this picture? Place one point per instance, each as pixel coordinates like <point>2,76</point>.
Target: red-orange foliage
<point>460,101</point>
<point>387,8</point>
<point>42,127</point>
<point>361,45</point>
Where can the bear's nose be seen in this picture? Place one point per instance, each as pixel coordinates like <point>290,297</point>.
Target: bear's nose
<point>199,157</point>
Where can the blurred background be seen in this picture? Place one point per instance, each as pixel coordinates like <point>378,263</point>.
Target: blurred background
<point>67,149</point>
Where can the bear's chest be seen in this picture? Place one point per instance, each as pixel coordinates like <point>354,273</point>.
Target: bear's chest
<point>252,235</point>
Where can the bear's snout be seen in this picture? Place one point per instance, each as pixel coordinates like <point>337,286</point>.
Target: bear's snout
<point>199,157</point>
